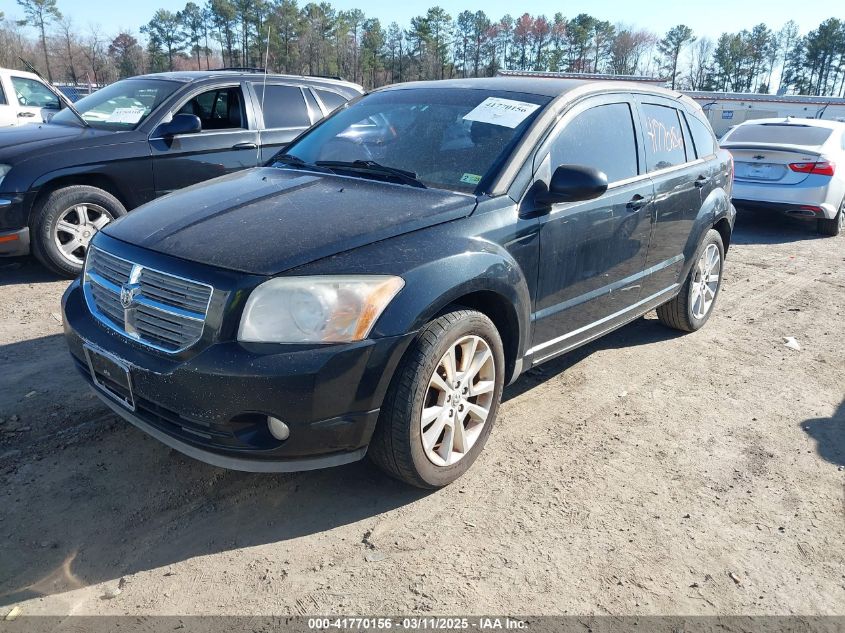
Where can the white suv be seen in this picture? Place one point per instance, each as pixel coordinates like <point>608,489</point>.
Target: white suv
<point>795,166</point>
<point>26,98</point>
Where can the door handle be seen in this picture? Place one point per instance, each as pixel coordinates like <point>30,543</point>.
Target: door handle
<point>245,146</point>
<point>701,181</point>
<point>26,114</point>
<point>637,202</point>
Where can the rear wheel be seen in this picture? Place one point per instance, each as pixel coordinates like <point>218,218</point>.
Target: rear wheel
<point>67,221</point>
<point>692,306</point>
<point>834,226</point>
<point>443,401</point>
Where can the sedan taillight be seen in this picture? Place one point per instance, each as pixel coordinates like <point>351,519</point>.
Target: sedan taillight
<point>822,168</point>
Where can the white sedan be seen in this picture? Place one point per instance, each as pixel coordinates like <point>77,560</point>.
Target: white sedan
<point>794,166</point>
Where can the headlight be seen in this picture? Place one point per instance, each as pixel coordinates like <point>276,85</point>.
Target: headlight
<point>4,169</point>
<point>320,309</point>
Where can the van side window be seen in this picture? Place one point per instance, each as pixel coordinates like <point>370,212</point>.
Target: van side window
<point>705,145</point>
<point>2,96</point>
<point>601,137</point>
<point>664,137</point>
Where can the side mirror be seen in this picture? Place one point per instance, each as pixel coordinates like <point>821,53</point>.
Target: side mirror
<point>573,183</point>
<point>179,124</point>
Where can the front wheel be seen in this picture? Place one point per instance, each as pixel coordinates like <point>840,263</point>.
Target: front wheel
<point>66,223</point>
<point>692,306</point>
<point>442,402</point>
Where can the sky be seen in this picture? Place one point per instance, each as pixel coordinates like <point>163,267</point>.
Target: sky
<point>705,18</point>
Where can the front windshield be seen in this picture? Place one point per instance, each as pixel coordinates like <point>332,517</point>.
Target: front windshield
<point>445,138</point>
<point>121,106</point>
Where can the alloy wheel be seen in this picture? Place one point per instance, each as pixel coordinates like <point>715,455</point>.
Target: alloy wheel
<point>458,400</point>
<point>705,282</point>
<point>75,229</point>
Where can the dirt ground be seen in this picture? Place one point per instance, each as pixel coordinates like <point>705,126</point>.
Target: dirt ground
<point>648,473</point>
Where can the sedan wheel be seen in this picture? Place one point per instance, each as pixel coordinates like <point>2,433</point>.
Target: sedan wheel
<point>76,227</point>
<point>457,401</point>
<point>705,282</point>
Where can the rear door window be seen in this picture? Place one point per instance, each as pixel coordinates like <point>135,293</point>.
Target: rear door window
<point>781,133</point>
<point>601,137</point>
<point>705,145</point>
<point>665,145</point>
<point>284,106</point>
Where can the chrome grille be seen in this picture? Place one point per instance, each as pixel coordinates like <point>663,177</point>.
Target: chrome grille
<point>150,306</point>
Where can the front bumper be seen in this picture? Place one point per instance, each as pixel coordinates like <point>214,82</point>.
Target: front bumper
<point>213,405</point>
<point>14,243</point>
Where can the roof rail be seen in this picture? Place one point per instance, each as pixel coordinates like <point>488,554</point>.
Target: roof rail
<point>335,77</point>
<point>241,69</point>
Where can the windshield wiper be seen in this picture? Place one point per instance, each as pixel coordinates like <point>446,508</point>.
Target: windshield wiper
<point>407,177</point>
<point>70,107</point>
<point>296,161</point>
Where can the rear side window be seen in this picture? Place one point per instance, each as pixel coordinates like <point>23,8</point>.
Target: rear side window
<point>2,96</point>
<point>782,133</point>
<point>705,145</point>
<point>284,106</point>
<point>601,137</point>
<point>331,100</point>
<point>664,137</point>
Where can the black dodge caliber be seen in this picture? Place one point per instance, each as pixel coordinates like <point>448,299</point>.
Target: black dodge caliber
<point>373,288</point>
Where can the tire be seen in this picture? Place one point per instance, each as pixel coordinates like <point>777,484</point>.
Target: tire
<point>685,312</point>
<point>397,445</point>
<point>69,205</point>
<point>835,226</point>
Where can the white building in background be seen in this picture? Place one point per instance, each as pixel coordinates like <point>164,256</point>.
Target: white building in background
<point>726,109</point>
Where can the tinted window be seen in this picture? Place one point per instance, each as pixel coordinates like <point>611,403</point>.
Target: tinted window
<point>601,137</point>
<point>284,106</point>
<point>2,96</point>
<point>786,133</point>
<point>664,137</point>
<point>34,94</point>
<point>218,109</point>
<point>331,100</point>
<point>702,137</point>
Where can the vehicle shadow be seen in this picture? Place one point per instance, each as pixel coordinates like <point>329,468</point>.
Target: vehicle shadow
<point>642,331</point>
<point>757,227</point>
<point>829,434</point>
<point>87,498</point>
<point>23,270</point>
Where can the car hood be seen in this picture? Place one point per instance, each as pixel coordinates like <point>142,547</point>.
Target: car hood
<point>268,220</point>
<point>26,140</point>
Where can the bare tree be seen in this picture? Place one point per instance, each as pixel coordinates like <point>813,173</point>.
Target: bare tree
<point>40,13</point>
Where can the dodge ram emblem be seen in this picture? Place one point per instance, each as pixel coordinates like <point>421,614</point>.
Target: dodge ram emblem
<point>127,294</point>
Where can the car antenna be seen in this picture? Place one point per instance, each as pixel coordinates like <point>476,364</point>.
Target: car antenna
<point>263,93</point>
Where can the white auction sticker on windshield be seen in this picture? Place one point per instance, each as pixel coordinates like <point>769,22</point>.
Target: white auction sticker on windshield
<point>504,112</point>
<point>127,115</point>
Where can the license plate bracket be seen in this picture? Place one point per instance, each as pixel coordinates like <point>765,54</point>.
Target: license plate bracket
<point>111,376</point>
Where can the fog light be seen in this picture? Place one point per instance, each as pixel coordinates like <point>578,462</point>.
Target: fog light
<point>278,429</point>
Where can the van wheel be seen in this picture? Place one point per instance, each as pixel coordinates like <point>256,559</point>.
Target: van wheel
<point>835,226</point>
<point>442,402</point>
<point>693,305</point>
<point>67,221</point>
